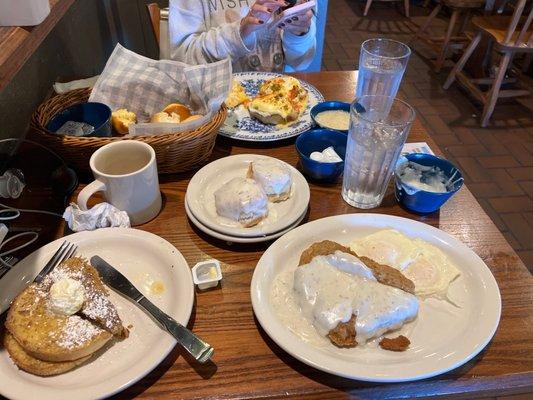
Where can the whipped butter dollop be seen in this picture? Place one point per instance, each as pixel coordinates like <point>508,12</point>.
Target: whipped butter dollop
<point>67,296</point>
<point>328,155</point>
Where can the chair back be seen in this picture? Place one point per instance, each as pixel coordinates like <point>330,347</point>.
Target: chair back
<point>518,33</point>
<point>159,20</point>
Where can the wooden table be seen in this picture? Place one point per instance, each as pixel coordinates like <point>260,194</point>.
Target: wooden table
<point>248,364</point>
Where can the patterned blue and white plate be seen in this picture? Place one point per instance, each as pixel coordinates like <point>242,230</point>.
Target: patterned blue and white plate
<point>252,130</point>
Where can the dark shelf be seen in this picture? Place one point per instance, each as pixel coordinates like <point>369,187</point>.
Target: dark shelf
<point>17,44</point>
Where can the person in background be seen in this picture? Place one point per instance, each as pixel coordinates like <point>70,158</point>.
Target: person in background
<point>204,31</point>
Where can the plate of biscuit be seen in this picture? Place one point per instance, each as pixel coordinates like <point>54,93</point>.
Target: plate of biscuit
<point>375,298</point>
<point>248,196</point>
<point>70,336</point>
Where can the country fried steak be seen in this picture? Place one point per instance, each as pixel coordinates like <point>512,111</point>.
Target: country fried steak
<point>383,273</point>
<point>400,343</point>
<point>344,334</point>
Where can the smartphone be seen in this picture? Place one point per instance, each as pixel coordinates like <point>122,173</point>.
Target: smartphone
<point>292,11</point>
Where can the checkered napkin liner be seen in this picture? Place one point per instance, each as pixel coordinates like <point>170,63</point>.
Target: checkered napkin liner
<point>147,86</point>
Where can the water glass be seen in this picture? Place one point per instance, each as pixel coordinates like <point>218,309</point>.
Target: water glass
<point>382,63</point>
<point>378,128</point>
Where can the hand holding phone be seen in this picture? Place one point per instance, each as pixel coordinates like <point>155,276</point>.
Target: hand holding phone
<point>290,3</point>
<point>260,12</point>
<point>292,14</point>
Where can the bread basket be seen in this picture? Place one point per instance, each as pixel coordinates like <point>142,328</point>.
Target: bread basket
<point>176,152</point>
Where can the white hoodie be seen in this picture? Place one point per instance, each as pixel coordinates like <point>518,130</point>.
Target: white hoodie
<point>204,31</point>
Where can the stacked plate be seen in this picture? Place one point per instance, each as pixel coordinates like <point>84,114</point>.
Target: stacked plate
<point>282,216</point>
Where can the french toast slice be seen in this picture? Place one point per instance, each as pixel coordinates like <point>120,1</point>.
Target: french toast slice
<point>97,307</point>
<point>344,334</point>
<point>48,336</point>
<point>35,366</point>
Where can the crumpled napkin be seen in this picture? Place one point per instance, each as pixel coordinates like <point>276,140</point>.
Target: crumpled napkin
<point>102,215</point>
<point>63,87</point>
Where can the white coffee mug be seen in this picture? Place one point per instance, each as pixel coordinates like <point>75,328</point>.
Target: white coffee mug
<point>126,172</point>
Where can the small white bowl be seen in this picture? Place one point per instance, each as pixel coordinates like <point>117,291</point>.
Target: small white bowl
<point>207,274</point>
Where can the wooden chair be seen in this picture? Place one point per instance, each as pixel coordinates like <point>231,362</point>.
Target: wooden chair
<point>405,5</point>
<point>510,35</point>
<point>459,8</point>
<point>159,19</point>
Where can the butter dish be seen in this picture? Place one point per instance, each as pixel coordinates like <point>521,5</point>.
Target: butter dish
<point>206,274</point>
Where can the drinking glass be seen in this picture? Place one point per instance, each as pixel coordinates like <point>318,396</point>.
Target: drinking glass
<point>382,63</point>
<point>378,128</point>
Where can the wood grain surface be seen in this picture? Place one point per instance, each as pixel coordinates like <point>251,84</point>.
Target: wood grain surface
<point>17,44</point>
<point>247,364</point>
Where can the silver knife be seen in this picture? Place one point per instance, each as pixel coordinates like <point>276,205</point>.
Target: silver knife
<point>195,346</point>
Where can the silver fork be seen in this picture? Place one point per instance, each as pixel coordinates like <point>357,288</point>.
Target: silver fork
<point>66,251</point>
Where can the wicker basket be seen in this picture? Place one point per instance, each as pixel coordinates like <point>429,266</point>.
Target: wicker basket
<point>176,152</point>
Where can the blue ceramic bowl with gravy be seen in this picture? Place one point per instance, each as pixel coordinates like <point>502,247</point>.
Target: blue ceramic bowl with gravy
<point>329,106</point>
<point>96,114</point>
<point>319,140</point>
<point>423,201</point>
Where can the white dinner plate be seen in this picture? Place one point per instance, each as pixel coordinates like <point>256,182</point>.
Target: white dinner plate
<point>236,239</point>
<point>253,130</point>
<point>201,199</point>
<point>442,337</point>
<point>145,259</point>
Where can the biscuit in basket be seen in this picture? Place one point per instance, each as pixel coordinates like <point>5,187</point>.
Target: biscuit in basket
<point>179,109</point>
<point>174,113</point>
<point>121,119</point>
<point>193,118</point>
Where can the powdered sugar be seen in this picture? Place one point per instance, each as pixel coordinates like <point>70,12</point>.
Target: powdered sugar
<point>63,273</point>
<point>76,332</point>
<point>97,306</point>
<point>100,309</point>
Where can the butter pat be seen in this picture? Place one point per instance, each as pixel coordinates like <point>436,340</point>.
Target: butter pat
<point>207,274</point>
<point>66,297</point>
<point>328,155</point>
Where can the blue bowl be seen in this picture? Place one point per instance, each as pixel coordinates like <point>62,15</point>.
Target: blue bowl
<point>422,201</point>
<point>95,114</point>
<point>327,106</point>
<point>319,140</point>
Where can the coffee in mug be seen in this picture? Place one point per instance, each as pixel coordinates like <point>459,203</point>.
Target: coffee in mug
<point>126,172</point>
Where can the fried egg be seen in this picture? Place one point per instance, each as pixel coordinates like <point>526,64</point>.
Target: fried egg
<point>430,271</point>
<point>424,264</point>
<point>388,247</point>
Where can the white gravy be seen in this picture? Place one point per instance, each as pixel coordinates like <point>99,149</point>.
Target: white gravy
<point>334,119</point>
<point>332,288</point>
